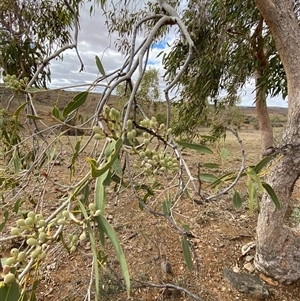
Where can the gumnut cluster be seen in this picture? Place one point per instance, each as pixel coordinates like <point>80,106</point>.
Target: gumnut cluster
<point>13,83</point>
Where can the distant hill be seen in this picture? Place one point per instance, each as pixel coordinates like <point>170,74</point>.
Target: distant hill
<point>45,100</point>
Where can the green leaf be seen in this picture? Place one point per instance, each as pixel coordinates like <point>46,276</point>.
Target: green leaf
<point>100,194</point>
<point>17,163</point>
<point>17,206</point>
<point>260,165</point>
<point>237,201</point>
<point>19,109</point>
<point>254,177</point>
<point>100,66</point>
<point>224,153</point>
<point>33,117</point>
<point>85,194</point>
<point>211,165</point>
<point>75,103</point>
<point>104,225</point>
<point>33,90</point>
<point>272,194</point>
<point>96,172</point>
<point>74,157</point>
<point>117,168</point>
<point>55,112</point>
<point>9,292</point>
<point>209,178</point>
<point>197,147</point>
<point>167,204</point>
<point>208,137</point>
<point>187,253</point>
<point>2,225</point>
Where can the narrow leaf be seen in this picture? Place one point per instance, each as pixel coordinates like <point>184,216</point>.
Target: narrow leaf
<point>33,90</point>
<point>55,112</point>
<point>272,194</point>
<point>96,172</point>
<point>99,66</point>
<point>75,103</point>
<point>74,157</point>
<point>19,109</point>
<point>187,253</point>
<point>197,147</point>
<point>255,178</point>
<point>167,204</point>
<point>105,226</point>
<point>2,225</point>
<point>34,117</point>
<point>260,165</point>
<point>224,153</point>
<point>209,178</point>
<point>211,165</point>
<point>237,201</point>
<point>100,192</point>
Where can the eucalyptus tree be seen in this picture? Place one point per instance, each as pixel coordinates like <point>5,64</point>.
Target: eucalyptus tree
<point>233,46</point>
<point>148,93</point>
<point>278,246</point>
<point>32,30</point>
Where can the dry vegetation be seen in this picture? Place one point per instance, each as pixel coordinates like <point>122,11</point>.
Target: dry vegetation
<point>218,231</point>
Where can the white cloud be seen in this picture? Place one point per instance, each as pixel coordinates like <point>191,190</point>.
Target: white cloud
<point>95,40</point>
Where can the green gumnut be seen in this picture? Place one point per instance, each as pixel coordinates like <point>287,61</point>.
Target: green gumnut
<point>65,214</point>
<point>99,136</point>
<point>35,253</point>
<point>129,124</point>
<point>15,231</point>
<point>14,252</point>
<point>106,110</point>
<point>133,133</point>
<point>97,129</point>
<point>21,222</point>
<point>9,278</point>
<point>42,237</point>
<point>61,221</point>
<point>73,249</point>
<point>29,221</point>
<point>21,256</point>
<point>82,236</point>
<point>92,207</point>
<point>10,261</point>
<point>31,241</point>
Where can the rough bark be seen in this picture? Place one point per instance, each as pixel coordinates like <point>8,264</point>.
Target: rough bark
<point>278,246</point>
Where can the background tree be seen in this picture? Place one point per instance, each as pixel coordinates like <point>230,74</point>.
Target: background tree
<point>32,30</point>
<point>233,46</point>
<point>148,94</point>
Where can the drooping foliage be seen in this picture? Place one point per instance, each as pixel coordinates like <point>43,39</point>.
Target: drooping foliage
<point>233,43</point>
<point>32,30</point>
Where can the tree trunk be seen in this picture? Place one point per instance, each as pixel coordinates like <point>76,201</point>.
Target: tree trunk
<point>278,246</point>
<point>265,126</point>
<point>262,66</point>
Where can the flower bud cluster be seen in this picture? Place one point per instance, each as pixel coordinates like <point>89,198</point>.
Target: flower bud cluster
<point>33,229</point>
<point>112,117</point>
<point>13,83</point>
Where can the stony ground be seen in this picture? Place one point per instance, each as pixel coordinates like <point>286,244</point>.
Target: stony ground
<point>218,231</point>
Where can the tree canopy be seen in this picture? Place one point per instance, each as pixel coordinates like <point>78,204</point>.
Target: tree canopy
<point>32,30</point>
